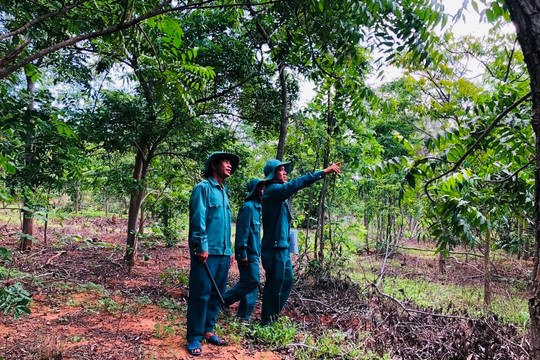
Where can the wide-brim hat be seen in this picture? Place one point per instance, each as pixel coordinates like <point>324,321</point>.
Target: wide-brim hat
<point>218,155</point>
<point>252,185</point>
<point>271,166</point>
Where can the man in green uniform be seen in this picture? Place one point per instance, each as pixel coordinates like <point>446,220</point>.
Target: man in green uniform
<point>275,255</point>
<point>247,252</point>
<point>209,245</point>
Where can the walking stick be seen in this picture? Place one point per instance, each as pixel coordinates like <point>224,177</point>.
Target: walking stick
<point>213,283</point>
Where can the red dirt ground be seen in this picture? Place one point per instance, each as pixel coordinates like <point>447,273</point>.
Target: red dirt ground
<point>67,323</point>
<point>86,304</point>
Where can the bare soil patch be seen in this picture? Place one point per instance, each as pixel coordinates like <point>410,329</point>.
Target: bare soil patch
<point>73,319</point>
<point>88,305</point>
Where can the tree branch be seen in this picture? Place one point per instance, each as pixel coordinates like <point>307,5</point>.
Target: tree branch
<point>158,10</point>
<point>39,19</point>
<point>477,142</point>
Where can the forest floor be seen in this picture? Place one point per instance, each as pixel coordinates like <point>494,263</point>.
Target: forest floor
<point>87,304</point>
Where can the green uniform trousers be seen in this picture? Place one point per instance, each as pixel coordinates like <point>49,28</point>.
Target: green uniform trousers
<point>279,282</point>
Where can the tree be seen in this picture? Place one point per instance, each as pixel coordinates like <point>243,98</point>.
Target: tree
<point>321,39</point>
<point>182,107</point>
<point>493,130</point>
<point>526,17</point>
<point>27,21</point>
<point>37,143</point>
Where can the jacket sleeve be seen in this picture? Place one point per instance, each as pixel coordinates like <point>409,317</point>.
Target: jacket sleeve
<point>284,191</point>
<point>197,220</point>
<point>243,226</point>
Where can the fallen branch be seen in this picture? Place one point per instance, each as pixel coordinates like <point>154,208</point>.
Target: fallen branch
<point>507,340</point>
<point>407,310</point>
<point>433,251</point>
<point>58,254</point>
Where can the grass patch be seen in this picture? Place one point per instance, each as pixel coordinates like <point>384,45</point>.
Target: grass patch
<point>333,344</point>
<point>10,273</point>
<point>164,331</point>
<point>171,305</point>
<point>466,298</point>
<point>174,276</point>
<point>279,334</point>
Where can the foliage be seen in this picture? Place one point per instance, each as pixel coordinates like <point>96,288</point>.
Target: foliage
<point>13,298</point>
<point>448,298</point>
<point>278,334</point>
<point>469,165</point>
<point>164,331</point>
<point>174,277</point>
<point>332,344</point>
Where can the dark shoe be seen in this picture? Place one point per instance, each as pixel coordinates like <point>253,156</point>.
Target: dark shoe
<point>216,340</point>
<point>194,348</point>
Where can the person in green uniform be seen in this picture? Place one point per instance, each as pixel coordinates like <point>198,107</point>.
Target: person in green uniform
<point>277,218</point>
<point>247,248</point>
<point>209,245</point>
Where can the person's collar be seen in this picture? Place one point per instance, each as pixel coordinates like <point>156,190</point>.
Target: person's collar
<point>254,201</point>
<point>213,181</point>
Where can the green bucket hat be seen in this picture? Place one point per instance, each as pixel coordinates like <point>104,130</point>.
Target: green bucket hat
<point>251,186</point>
<point>271,166</point>
<point>234,159</point>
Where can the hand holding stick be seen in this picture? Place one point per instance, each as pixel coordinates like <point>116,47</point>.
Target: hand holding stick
<point>213,283</point>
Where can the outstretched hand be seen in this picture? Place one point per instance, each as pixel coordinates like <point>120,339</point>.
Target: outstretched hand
<point>334,168</point>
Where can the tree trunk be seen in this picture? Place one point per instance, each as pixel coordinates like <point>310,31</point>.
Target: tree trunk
<point>77,199</point>
<point>308,220</point>
<point>141,221</point>
<point>525,235</point>
<point>284,112</point>
<point>106,207</point>
<point>28,215</point>
<point>366,225</point>
<point>442,263</point>
<point>46,226</point>
<point>320,221</point>
<point>330,125</point>
<point>137,195</point>
<point>525,15</point>
<point>487,271</point>
<point>284,89</point>
<point>27,230</point>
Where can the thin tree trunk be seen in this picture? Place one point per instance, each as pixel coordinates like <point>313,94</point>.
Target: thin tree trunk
<point>521,246</point>
<point>366,225</point>
<point>527,244</point>
<point>28,214</point>
<point>442,263</point>
<point>487,270</point>
<point>525,15</point>
<point>284,89</point>
<point>46,226</point>
<point>141,221</point>
<point>137,195</point>
<point>77,199</point>
<point>308,219</point>
<point>284,112</point>
<point>27,230</point>
<point>330,125</point>
<point>106,207</point>
<point>320,221</point>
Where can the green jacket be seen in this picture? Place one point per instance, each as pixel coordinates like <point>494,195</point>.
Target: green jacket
<point>276,213</point>
<point>209,219</point>
<point>247,244</point>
